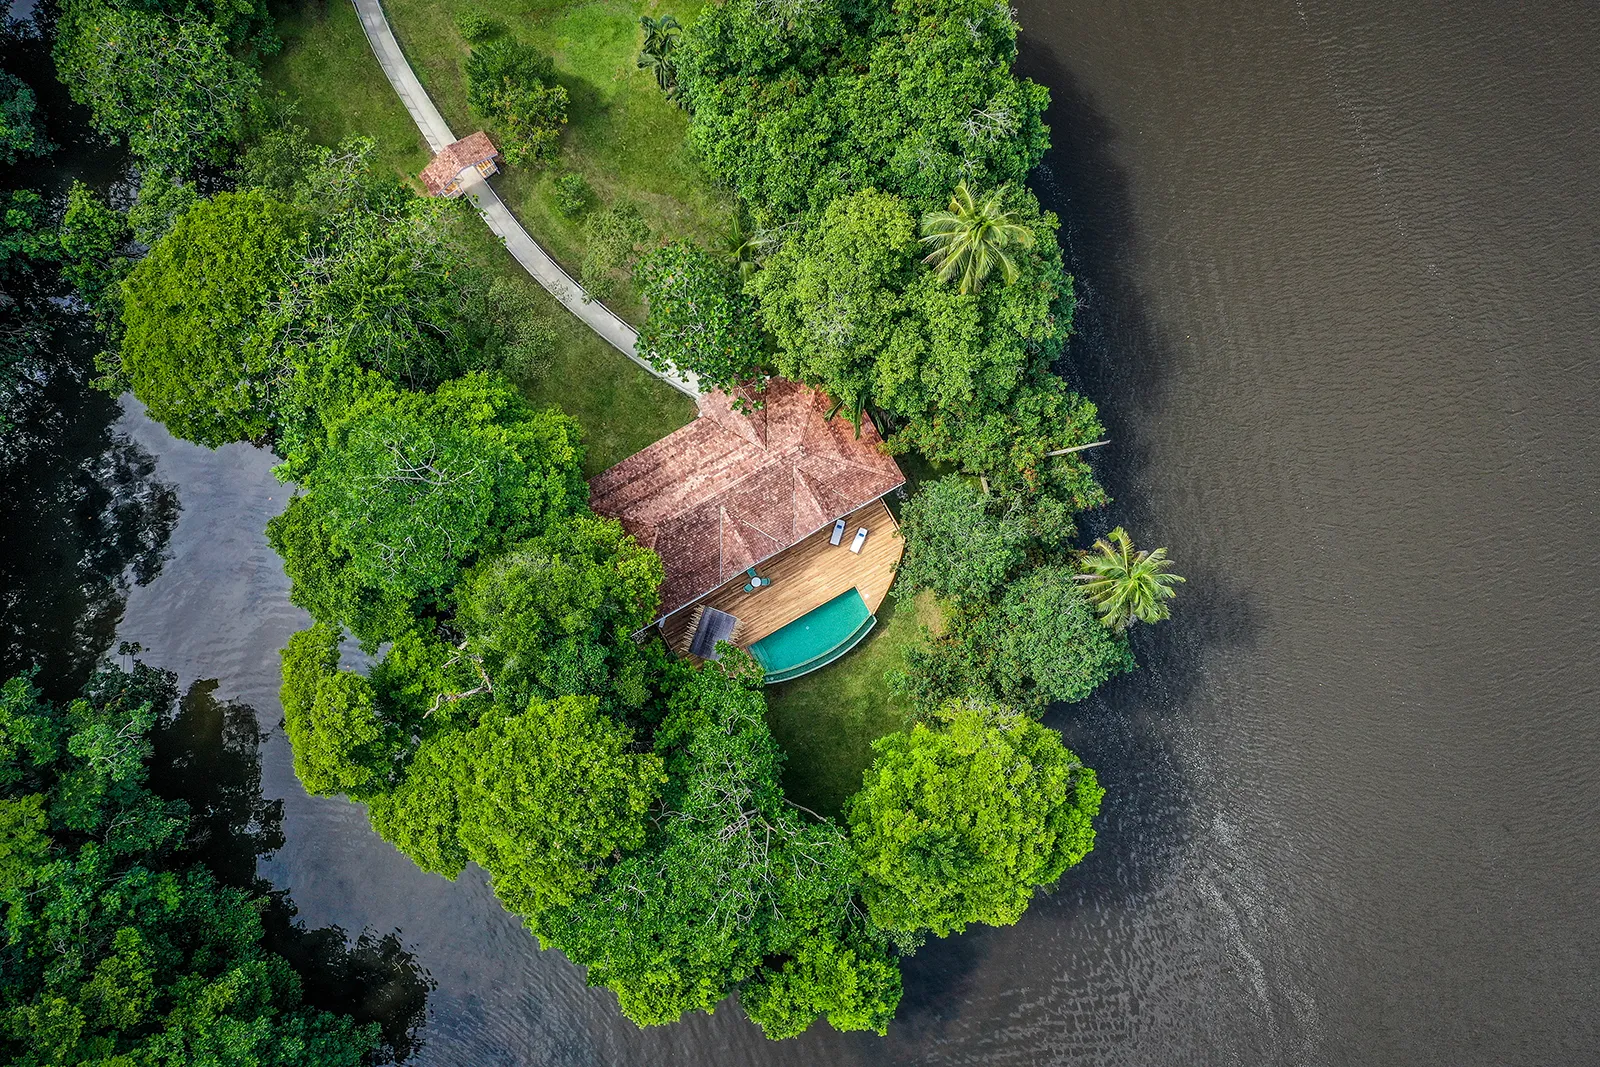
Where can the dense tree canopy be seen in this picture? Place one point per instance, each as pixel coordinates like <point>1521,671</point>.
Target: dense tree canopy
<point>165,81</point>
<point>555,615</point>
<point>955,545</point>
<point>1040,642</point>
<point>699,320</point>
<point>732,886</point>
<point>194,346</point>
<point>796,105</point>
<point>961,821</point>
<point>413,486</point>
<point>963,378</point>
<point>19,129</point>
<point>119,947</point>
<point>548,796</point>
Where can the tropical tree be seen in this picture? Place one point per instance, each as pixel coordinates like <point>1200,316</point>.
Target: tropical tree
<point>745,245</point>
<point>1127,585</point>
<point>19,130</point>
<point>972,237</point>
<point>193,347</point>
<point>660,42</point>
<point>954,545</point>
<point>414,486</point>
<point>733,886</point>
<point>555,615</point>
<point>120,947</point>
<point>960,822</point>
<point>700,321</point>
<point>168,83</point>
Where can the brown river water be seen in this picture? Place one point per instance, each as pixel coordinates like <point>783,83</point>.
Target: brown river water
<point>1339,266</point>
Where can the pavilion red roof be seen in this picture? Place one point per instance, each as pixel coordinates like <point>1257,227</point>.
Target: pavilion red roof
<point>455,158</point>
<point>731,489</point>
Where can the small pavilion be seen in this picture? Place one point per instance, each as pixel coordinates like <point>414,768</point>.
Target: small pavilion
<point>452,169</point>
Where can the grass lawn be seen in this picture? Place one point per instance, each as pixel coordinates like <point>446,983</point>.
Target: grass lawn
<point>327,66</point>
<point>827,721</point>
<point>622,135</point>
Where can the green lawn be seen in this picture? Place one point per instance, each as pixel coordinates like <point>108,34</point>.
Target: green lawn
<point>827,721</point>
<point>328,68</point>
<point>622,135</point>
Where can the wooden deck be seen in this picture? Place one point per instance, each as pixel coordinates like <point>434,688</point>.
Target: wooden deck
<point>806,575</point>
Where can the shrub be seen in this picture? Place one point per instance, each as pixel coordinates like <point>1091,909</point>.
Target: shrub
<point>475,25</point>
<point>572,194</point>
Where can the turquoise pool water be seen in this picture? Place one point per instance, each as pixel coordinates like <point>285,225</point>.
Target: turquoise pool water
<point>815,639</point>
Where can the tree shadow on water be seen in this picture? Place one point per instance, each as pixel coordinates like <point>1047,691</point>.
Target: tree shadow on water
<point>207,754</point>
<point>1131,729</point>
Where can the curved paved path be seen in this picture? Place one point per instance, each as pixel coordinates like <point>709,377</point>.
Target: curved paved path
<point>535,260</point>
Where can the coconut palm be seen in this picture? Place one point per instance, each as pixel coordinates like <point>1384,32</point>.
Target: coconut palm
<point>660,41</point>
<point>971,238</point>
<point>1124,584</point>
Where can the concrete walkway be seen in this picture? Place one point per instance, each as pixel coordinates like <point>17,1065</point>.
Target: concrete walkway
<point>535,260</point>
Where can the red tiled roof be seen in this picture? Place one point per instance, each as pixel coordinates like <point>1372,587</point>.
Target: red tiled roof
<point>730,489</point>
<point>455,158</point>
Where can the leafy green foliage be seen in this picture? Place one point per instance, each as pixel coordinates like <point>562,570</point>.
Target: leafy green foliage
<point>548,796</point>
<point>161,202</point>
<point>513,86</point>
<point>613,240</point>
<point>572,194</point>
<point>656,54</point>
<point>555,615</point>
<point>1040,643</point>
<point>340,743</point>
<point>93,242</point>
<point>20,134</point>
<point>26,237</point>
<point>960,822</point>
<point>954,545</point>
<point>414,486</point>
<point>795,105</point>
<point>475,25</point>
<point>166,82</point>
<point>193,347</point>
<point>120,949</point>
<point>1125,584</point>
<point>963,378</point>
<point>732,886</point>
<point>325,582</point>
<point>699,320</point>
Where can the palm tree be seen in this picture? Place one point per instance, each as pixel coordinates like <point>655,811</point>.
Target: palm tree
<point>1125,585</point>
<point>745,246</point>
<point>970,239</point>
<point>660,41</point>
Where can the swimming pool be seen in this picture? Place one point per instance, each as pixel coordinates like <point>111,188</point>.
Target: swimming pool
<point>815,639</point>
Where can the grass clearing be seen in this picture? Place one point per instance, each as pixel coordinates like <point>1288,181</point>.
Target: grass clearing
<point>827,721</point>
<point>327,66</point>
<point>622,135</point>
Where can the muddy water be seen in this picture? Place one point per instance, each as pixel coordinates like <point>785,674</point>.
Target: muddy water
<point>1339,267</point>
